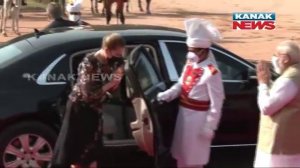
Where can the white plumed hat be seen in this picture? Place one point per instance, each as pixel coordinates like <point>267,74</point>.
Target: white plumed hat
<point>201,33</point>
<point>75,7</point>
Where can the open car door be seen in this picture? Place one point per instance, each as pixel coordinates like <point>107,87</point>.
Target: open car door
<point>155,122</point>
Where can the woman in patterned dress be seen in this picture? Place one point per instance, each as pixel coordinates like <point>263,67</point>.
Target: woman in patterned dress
<point>98,73</point>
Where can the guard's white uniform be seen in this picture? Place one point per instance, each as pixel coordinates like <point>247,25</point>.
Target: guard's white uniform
<point>201,93</point>
<point>201,98</point>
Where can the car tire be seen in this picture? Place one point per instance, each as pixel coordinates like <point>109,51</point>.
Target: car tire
<point>26,144</point>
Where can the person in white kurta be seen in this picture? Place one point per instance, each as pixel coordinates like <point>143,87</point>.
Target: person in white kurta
<point>201,95</point>
<point>279,136</point>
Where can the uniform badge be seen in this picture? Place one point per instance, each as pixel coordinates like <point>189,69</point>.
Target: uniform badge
<point>191,78</point>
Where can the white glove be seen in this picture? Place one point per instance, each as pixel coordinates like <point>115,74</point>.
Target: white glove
<point>208,133</point>
<point>163,97</point>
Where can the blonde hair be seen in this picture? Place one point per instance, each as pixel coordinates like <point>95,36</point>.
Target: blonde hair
<point>113,41</point>
<point>289,48</point>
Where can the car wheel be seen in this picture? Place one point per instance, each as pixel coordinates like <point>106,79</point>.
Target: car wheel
<point>26,144</point>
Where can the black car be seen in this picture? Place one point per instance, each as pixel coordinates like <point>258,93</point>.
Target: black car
<point>38,70</point>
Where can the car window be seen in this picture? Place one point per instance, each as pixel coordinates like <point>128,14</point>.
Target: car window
<point>178,53</point>
<point>146,73</point>
<point>150,49</point>
<point>76,58</point>
<point>231,69</point>
<point>12,53</point>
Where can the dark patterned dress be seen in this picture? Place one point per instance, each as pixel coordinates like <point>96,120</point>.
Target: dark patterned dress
<point>78,141</point>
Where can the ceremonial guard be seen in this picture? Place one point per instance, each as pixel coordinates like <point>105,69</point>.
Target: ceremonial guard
<point>74,12</point>
<point>201,95</point>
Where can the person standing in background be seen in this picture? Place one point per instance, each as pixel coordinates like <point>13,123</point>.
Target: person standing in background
<point>74,12</point>
<point>55,15</point>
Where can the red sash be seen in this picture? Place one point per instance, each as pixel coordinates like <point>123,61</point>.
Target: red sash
<point>190,79</point>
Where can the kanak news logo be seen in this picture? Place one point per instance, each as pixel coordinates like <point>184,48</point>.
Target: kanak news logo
<point>253,20</point>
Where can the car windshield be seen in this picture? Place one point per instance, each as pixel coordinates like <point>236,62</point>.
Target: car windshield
<point>11,53</point>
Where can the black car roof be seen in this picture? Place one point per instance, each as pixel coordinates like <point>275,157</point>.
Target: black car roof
<point>58,36</point>
<point>69,34</point>
<point>137,27</point>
